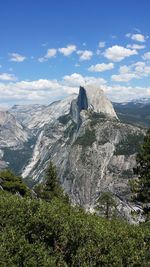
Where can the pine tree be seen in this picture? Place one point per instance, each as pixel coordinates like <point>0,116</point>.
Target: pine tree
<point>106,204</point>
<point>12,183</point>
<point>50,187</point>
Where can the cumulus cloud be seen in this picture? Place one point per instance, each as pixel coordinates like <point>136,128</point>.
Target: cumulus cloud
<point>101,44</point>
<point>76,79</point>
<point>146,56</point>
<point>101,67</point>
<point>117,53</point>
<point>123,77</point>
<point>15,57</point>
<point>137,37</point>
<point>50,53</point>
<point>85,54</point>
<point>45,91</point>
<point>135,46</point>
<point>66,51</point>
<point>137,70</point>
<point>7,77</point>
<point>38,91</point>
<point>118,93</point>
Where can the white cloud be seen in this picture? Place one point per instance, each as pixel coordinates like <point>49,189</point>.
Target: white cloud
<point>146,56</point>
<point>42,59</point>
<point>126,77</point>
<point>66,51</point>
<point>7,77</point>
<point>101,67</point>
<point>38,91</point>
<point>142,69</point>
<point>137,70</point>
<point>40,84</point>
<point>45,91</point>
<point>50,53</point>
<point>77,79</point>
<point>15,57</point>
<point>135,46</point>
<point>137,37</point>
<point>85,54</point>
<point>118,93</point>
<point>117,53</point>
<point>101,44</point>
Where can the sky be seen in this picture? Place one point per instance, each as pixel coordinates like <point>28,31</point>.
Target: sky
<point>48,48</point>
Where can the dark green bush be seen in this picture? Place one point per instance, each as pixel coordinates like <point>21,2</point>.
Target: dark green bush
<point>38,233</point>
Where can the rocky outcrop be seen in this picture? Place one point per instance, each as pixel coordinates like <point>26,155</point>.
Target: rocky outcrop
<point>93,99</point>
<point>98,102</point>
<point>35,117</point>
<point>12,133</point>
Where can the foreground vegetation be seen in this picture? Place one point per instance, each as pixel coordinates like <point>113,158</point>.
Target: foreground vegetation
<point>38,233</point>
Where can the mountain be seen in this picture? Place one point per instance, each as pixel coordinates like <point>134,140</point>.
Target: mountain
<point>12,135</point>
<point>34,117</point>
<point>11,132</point>
<point>136,112</point>
<point>93,150</point>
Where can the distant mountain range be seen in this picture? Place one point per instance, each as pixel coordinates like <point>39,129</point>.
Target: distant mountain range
<point>136,112</point>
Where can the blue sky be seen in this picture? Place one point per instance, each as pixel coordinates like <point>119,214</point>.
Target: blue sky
<point>50,47</point>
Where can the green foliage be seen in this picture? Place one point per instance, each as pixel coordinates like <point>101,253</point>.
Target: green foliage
<point>87,139</point>
<point>142,189</point>
<point>97,118</point>
<point>12,183</point>
<point>106,205</point>
<point>50,234</point>
<point>50,187</point>
<point>129,145</point>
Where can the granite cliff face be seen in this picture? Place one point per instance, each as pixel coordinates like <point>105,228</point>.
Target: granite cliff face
<point>11,132</point>
<point>93,99</point>
<point>12,135</point>
<point>92,149</point>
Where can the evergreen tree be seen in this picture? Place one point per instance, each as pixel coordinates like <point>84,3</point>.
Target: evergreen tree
<point>12,183</point>
<point>142,185</point>
<point>106,204</point>
<point>50,187</point>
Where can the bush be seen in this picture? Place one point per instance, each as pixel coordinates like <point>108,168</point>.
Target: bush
<point>39,233</point>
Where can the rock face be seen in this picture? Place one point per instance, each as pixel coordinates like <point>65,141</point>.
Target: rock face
<point>12,133</point>
<point>92,150</point>
<point>98,102</point>
<point>93,99</point>
<point>35,117</point>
